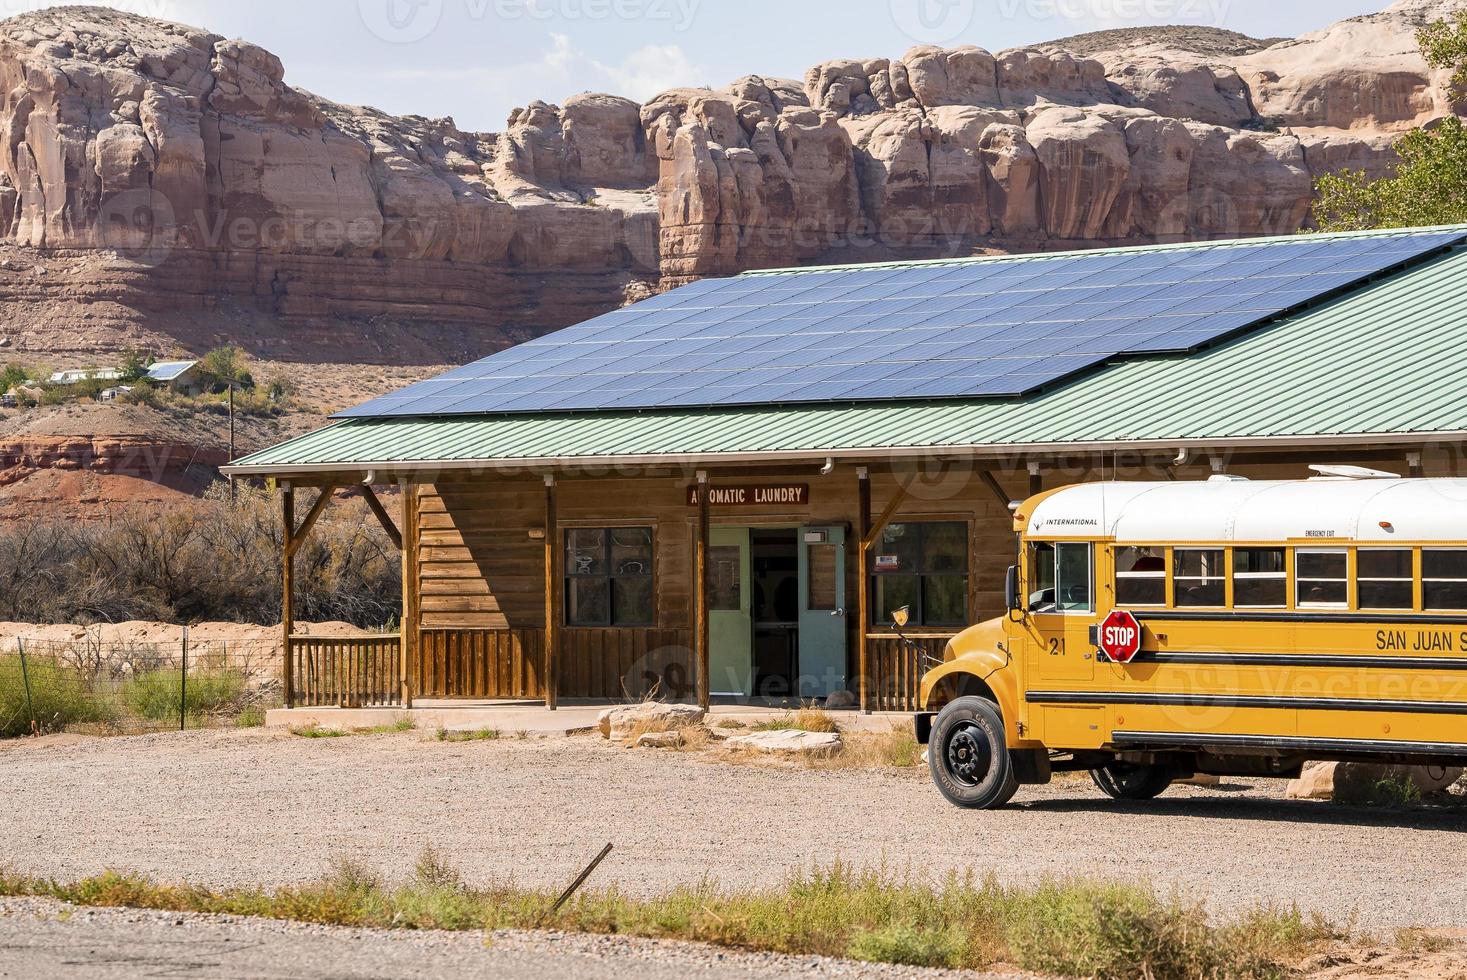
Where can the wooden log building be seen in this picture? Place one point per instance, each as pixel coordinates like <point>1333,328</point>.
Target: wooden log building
<point>723,491</point>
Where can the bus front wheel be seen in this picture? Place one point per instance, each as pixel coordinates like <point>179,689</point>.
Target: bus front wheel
<point>1125,781</point>
<point>969,756</point>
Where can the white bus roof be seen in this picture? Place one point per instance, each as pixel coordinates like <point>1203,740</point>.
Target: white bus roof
<point>1228,509</point>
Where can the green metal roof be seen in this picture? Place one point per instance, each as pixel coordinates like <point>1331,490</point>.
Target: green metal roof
<point>1384,363</point>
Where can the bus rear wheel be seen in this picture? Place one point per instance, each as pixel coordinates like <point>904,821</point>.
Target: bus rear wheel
<point>1127,781</point>
<point>969,756</point>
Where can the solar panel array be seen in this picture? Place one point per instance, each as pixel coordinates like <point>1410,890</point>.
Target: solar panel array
<point>992,327</point>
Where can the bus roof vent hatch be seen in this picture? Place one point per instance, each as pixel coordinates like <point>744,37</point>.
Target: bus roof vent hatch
<point>1333,471</point>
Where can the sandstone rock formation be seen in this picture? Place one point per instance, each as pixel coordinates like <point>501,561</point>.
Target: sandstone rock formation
<point>220,199</point>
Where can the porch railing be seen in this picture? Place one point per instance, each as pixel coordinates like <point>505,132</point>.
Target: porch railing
<point>347,671</point>
<point>897,668</point>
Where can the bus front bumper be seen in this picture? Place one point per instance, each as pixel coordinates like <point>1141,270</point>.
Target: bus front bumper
<point>922,725</point>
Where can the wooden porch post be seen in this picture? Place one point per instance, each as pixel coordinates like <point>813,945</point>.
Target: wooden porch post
<point>552,613</point>
<point>863,583</point>
<point>700,594</point>
<point>287,586</point>
<point>407,627</point>
<point>1036,480</point>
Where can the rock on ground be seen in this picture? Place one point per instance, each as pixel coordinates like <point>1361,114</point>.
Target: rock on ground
<point>788,742</point>
<point>620,724</point>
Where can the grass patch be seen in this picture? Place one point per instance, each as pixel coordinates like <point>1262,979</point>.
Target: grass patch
<point>250,716</point>
<point>1072,928</point>
<point>58,697</point>
<point>403,723</point>
<point>157,694</point>
<point>894,749</point>
<point>804,720</point>
<point>477,735</point>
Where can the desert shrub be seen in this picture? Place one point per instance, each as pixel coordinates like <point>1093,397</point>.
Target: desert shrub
<point>1069,928</point>
<point>806,719</point>
<point>58,697</point>
<point>156,694</point>
<point>208,559</point>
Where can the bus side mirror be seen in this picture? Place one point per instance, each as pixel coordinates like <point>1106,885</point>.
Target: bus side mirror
<point>899,617</point>
<point>1011,589</point>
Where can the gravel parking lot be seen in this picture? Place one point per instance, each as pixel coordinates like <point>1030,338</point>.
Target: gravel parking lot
<point>265,807</point>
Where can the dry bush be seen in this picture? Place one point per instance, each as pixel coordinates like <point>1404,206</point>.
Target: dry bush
<point>209,559</point>
<point>806,719</point>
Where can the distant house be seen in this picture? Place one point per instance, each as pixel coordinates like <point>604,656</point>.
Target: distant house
<point>111,394</point>
<point>184,377</point>
<point>77,375</point>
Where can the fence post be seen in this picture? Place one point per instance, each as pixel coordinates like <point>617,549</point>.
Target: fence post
<point>183,683</point>
<point>25,678</point>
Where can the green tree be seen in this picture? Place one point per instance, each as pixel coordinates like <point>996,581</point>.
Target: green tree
<point>227,363</point>
<point>1429,186</point>
<point>134,366</point>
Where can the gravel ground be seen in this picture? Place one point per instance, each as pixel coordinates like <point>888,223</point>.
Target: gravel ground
<point>266,808</point>
<point>40,938</point>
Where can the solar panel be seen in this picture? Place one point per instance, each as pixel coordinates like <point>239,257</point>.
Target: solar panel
<point>963,328</point>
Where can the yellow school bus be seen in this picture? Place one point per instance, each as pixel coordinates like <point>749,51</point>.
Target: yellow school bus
<point>1280,621</point>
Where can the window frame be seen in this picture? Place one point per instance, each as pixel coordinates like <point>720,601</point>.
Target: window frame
<point>918,615</point>
<point>1422,579</point>
<point>1159,576</point>
<point>1056,545</point>
<point>1411,579</point>
<point>1283,576</point>
<point>1219,577</point>
<point>1347,578</point>
<point>609,575</point>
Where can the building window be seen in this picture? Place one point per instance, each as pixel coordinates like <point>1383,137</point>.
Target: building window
<point>1060,577</point>
<point>1384,579</point>
<point>1140,577</point>
<point>1198,578</point>
<point>1321,579</point>
<point>923,566</point>
<point>1260,578</point>
<point>1443,579</point>
<point>608,576</point>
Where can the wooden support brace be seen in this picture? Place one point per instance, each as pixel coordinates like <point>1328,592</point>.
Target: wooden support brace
<point>375,506</point>
<point>993,487</point>
<point>314,514</point>
<point>868,539</point>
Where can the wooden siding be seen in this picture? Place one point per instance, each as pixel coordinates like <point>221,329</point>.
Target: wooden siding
<point>480,573</point>
<point>630,664</point>
<point>479,663</point>
<point>347,671</point>
<point>606,664</point>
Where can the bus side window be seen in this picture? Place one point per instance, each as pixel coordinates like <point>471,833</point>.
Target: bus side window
<point>1140,577</point>
<point>1197,577</point>
<point>1072,585</point>
<point>1260,578</point>
<point>1060,577</point>
<point>1041,577</point>
<point>1321,578</point>
<point>1444,578</point>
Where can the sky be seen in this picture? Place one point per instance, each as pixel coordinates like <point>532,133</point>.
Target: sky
<point>475,60</point>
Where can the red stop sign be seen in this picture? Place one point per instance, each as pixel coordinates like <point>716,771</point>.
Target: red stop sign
<point>1119,636</point>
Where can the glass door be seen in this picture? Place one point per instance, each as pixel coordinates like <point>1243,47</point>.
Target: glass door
<point>730,617</point>
<point>822,667</point>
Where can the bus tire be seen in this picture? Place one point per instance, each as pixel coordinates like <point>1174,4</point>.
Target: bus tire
<point>969,756</point>
<point>1126,781</point>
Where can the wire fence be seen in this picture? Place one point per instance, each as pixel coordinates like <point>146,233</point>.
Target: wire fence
<point>85,684</point>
